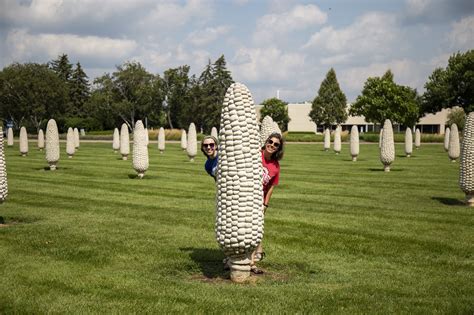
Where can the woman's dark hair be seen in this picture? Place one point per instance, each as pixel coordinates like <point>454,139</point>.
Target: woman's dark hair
<point>202,143</point>
<point>278,155</point>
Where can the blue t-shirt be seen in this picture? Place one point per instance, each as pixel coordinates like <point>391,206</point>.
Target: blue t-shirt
<point>211,166</point>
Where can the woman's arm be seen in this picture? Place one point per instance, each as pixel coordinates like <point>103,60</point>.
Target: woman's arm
<point>266,200</point>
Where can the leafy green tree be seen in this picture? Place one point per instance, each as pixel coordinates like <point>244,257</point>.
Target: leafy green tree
<point>329,106</point>
<point>31,93</point>
<point>453,86</point>
<point>175,85</point>
<point>79,90</point>
<point>278,110</point>
<point>456,116</point>
<point>382,98</point>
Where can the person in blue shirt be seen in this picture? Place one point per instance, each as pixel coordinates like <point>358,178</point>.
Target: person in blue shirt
<point>209,148</point>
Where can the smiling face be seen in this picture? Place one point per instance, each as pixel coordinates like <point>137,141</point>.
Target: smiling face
<point>272,145</point>
<point>209,147</point>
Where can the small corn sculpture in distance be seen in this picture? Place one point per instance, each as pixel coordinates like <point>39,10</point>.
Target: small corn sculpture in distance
<point>466,162</point>
<point>116,140</point>
<point>23,141</point>
<point>41,140</point>
<point>70,143</point>
<point>184,140</point>
<point>327,139</point>
<point>337,140</point>
<point>52,144</point>
<point>454,150</point>
<point>140,149</point>
<point>266,129</point>
<point>214,132</point>
<point>77,141</point>
<point>3,170</point>
<point>446,139</point>
<point>417,138</point>
<point>191,147</point>
<point>10,137</point>
<point>239,202</point>
<point>408,142</point>
<point>354,142</point>
<point>161,140</point>
<point>387,149</point>
<point>124,142</point>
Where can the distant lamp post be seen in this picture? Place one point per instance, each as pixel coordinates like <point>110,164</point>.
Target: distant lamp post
<point>167,110</point>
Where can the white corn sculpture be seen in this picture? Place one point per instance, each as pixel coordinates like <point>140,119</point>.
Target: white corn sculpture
<point>40,140</point>
<point>327,139</point>
<point>140,149</point>
<point>239,202</point>
<point>214,132</point>
<point>337,140</point>
<point>116,140</point>
<point>3,170</point>
<point>454,150</point>
<point>276,128</point>
<point>446,139</point>
<point>124,142</point>
<point>408,142</point>
<point>387,149</point>
<point>417,138</point>
<point>10,137</point>
<point>161,140</point>
<point>266,129</point>
<point>191,147</point>
<point>70,143</point>
<point>52,144</point>
<point>23,141</point>
<point>466,163</point>
<point>77,142</point>
<point>184,140</point>
<point>354,142</point>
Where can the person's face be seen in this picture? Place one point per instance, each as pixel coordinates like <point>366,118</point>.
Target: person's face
<point>209,147</point>
<point>272,145</point>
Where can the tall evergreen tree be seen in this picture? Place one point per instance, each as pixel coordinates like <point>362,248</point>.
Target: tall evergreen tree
<point>329,106</point>
<point>79,90</point>
<point>62,67</point>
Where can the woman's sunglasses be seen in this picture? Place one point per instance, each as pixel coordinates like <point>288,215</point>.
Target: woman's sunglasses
<point>275,144</point>
<point>210,145</point>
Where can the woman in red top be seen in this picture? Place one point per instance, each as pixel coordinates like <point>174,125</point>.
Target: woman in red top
<point>272,152</point>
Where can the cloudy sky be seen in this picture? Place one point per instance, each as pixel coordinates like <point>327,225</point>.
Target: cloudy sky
<point>285,45</point>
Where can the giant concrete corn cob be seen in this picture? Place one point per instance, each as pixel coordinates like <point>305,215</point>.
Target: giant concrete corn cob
<point>10,137</point>
<point>466,162</point>
<point>354,142</point>
<point>276,128</point>
<point>327,139</point>
<point>408,142</point>
<point>70,143</point>
<point>337,140</point>
<point>124,142</point>
<point>454,150</point>
<point>387,149</point>
<point>239,202</point>
<point>417,138</point>
<point>191,147</point>
<point>116,140</point>
<point>184,140</point>
<point>77,142</point>
<point>40,140</point>
<point>3,170</point>
<point>140,149</point>
<point>446,139</point>
<point>23,141</point>
<point>161,140</point>
<point>214,132</point>
<point>52,144</point>
<point>266,129</point>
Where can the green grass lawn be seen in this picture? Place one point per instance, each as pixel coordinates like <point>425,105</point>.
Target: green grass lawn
<point>340,236</point>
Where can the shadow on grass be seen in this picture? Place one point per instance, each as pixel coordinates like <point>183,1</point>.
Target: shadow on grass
<point>209,261</point>
<point>382,170</point>
<point>135,176</point>
<point>449,201</point>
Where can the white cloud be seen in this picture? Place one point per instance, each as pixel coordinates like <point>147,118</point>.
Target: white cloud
<point>207,35</point>
<point>417,7</point>
<point>23,46</point>
<point>274,25</point>
<point>462,34</point>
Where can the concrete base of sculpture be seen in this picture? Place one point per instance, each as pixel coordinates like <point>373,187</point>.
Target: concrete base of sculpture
<point>408,155</point>
<point>52,166</point>
<point>115,151</point>
<point>141,175</point>
<point>191,159</point>
<point>69,156</point>
<point>470,200</point>
<point>161,152</point>
<point>124,157</point>
<point>239,268</point>
<point>386,168</point>
<point>354,158</point>
<point>454,161</point>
